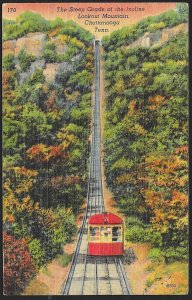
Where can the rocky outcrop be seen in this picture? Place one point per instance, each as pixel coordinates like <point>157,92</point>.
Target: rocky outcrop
<point>167,33</point>
<point>33,43</point>
<point>53,69</point>
<point>40,63</point>
<point>9,47</point>
<point>77,57</point>
<point>63,67</point>
<point>158,38</point>
<point>50,70</point>
<point>60,46</point>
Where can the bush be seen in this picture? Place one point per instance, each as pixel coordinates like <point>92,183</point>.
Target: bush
<point>64,259</point>
<point>74,30</point>
<point>135,234</point>
<point>8,62</point>
<point>50,54</point>
<point>68,222</point>
<point>37,253</point>
<point>18,265</point>
<point>25,60</point>
<point>58,22</point>
<point>156,26</point>
<point>133,221</point>
<point>154,237</point>
<point>155,254</point>
<point>129,256</point>
<point>145,234</point>
<point>52,228</point>
<point>172,254</point>
<point>183,10</point>
<point>57,240</point>
<point>25,22</point>
<point>37,77</point>
<point>149,282</point>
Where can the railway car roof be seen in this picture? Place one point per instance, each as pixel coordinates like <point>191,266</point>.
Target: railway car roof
<point>105,218</point>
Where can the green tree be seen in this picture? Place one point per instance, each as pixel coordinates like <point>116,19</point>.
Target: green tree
<point>50,54</point>
<point>25,60</point>
<point>183,9</point>
<point>8,62</point>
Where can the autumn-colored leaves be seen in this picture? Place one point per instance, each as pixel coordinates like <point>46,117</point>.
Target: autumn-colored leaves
<point>43,153</point>
<point>146,136</point>
<point>17,263</point>
<point>46,126</point>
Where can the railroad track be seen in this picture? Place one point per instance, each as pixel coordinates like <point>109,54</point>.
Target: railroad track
<point>91,275</point>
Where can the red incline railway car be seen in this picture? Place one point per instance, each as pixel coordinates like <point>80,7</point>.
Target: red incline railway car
<point>105,235</point>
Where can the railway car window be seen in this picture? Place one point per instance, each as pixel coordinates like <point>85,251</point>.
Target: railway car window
<point>94,233</point>
<point>116,234</point>
<point>106,234</point>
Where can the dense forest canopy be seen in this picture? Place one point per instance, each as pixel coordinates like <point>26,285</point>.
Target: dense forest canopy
<point>32,22</point>
<point>46,128</point>
<point>146,134</point>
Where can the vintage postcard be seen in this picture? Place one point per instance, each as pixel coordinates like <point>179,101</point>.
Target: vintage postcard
<point>95,148</point>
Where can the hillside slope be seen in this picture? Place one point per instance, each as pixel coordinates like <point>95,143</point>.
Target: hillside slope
<point>47,85</point>
<point>146,133</point>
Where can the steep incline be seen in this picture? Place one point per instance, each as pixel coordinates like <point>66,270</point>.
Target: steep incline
<point>95,275</point>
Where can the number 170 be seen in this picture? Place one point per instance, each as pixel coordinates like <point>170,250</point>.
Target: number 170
<point>11,9</point>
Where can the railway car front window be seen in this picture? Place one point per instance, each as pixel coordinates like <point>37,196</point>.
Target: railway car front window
<point>116,234</point>
<point>94,233</point>
<point>105,234</point>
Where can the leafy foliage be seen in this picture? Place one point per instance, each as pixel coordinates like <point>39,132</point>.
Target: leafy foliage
<point>146,134</point>
<point>155,254</point>
<point>33,22</point>
<point>64,259</point>
<point>18,266</point>
<point>25,60</point>
<point>37,252</point>
<point>46,128</point>
<point>127,35</point>
<point>8,62</point>
<point>26,22</point>
<point>50,54</point>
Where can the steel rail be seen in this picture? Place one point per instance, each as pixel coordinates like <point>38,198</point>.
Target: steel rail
<point>66,287</point>
<point>93,196</point>
<point>124,276</point>
<point>108,277</point>
<point>84,273</point>
<point>95,202</point>
<point>95,277</point>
